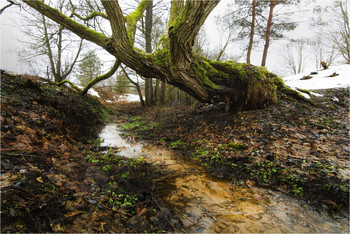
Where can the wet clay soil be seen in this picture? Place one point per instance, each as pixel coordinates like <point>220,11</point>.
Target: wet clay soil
<point>207,204</point>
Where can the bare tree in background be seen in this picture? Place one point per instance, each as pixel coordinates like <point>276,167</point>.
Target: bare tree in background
<point>295,57</point>
<point>46,38</point>
<point>323,50</point>
<point>341,36</point>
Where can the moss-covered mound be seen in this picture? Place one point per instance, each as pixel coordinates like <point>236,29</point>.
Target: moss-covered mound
<point>55,108</point>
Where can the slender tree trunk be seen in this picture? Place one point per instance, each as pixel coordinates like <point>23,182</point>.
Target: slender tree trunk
<point>59,54</point>
<point>156,92</point>
<point>162,93</point>
<point>148,32</point>
<point>252,31</point>
<point>49,51</point>
<point>267,35</point>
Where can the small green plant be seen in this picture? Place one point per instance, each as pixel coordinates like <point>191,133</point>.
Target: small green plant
<point>97,142</point>
<point>117,200</point>
<point>237,146</point>
<point>298,191</point>
<point>135,163</point>
<point>106,168</point>
<point>177,144</point>
<point>90,158</point>
<point>114,183</point>
<point>125,174</point>
<point>324,65</point>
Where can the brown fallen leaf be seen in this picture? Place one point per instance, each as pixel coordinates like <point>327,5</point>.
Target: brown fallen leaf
<point>141,211</point>
<point>73,213</point>
<point>40,179</point>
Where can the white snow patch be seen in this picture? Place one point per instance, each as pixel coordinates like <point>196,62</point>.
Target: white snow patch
<point>92,92</point>
<point>322,79</point>
<point>129,98</point>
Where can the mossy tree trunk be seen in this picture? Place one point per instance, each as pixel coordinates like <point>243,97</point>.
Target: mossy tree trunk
<point>242,86</point>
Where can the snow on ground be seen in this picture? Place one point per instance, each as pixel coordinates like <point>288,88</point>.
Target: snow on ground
<point>90,91</point>
<point>129,98</point>
<point>322,80</point>
<point>93,93</point>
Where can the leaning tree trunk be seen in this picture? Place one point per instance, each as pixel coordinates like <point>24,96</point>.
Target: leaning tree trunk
<point>242,86</point>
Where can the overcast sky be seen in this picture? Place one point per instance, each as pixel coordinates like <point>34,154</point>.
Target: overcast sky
<point>11,36</point>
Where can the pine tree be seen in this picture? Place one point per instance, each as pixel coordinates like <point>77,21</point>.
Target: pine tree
<point>89,67</point>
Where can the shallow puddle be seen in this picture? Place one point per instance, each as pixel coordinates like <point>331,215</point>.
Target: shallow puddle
<point>207,204</point>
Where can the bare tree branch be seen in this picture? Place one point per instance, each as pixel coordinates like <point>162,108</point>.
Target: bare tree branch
<point>11,3</point>
<point>102,77</point>
<point>79,29</point>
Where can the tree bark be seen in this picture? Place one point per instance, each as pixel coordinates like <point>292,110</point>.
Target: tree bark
<point>252,31</point>
<point>267,35</point>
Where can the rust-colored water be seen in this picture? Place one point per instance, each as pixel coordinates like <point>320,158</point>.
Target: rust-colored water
<point>207,204</point>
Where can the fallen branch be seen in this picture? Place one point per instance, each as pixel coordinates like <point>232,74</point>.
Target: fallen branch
<point>174,228</point>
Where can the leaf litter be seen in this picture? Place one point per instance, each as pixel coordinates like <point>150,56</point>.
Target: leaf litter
<point>54,175</point>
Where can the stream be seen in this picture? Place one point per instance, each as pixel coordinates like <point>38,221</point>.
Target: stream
<point>207,204</point>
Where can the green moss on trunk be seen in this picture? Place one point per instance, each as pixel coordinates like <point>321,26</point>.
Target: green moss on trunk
<point>243,85</point>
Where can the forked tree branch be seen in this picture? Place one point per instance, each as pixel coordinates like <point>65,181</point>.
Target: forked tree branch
<point>77,28</point>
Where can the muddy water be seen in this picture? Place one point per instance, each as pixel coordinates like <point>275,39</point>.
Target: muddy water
<point>206,204</point>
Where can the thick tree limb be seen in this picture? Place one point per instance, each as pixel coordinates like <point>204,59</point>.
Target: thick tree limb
<point>102,77</point>
<point>134,58</point>
<point>182,33</point>
<point>175,10</point>
<point>134,17</point>
<point>77,28</point>
<point>181,37</point>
